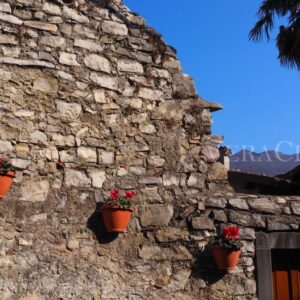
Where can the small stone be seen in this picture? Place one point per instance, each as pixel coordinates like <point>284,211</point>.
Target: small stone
<point>76,178</point>
<point>147,128</point>
<point>150,195</point>
<point>196,180</point>
<point>295,206</point>
<point>52,9</point>
<point>106,157</point>
<point>73,15</point>
<point>171,234</point>
<point>281,223</point>
<point>183,86</point>
<point>68,59</point>
<point>98,178</point>
<point>62,140</point>
<point>22,148</point>
<point>170,179</point>
<point>217,172</point>
<point>202,223</point>
<point>38,217</point>
<point>47,85</point>
<point>67,156</point>
<point>65,75</point>
<point>220,216</point>
<point>156,161</point>
<point>247,233</point>
<point>239,203</point>
<point>105,81</point>
<point>5,146</point>
<point>246,219</point>
<point>26,62</point>
<point>68,110</point>
<point>20,163</point>
<point>72,244</point>
<point>38,137</point>
<point>23,242</point>
<point>217,203</point>
<point>87,154</point>
<point>88,44</point>
<point>212,154</point>
<point>52,41</point>
<point>41,25</point>
<point>151,180</point>
<point>114,28</point>
<point>264,205</point>
<point>84,31</point>
<point>139,171</point>
<point>5,7</point>
<point>97,63</point>
<point>156,215</point>
<point>130,66</point>
<point>99,96</point>
<point>8,39</point>
<point>10,19</point>
<point>150,94</point>
<point>34,191</point>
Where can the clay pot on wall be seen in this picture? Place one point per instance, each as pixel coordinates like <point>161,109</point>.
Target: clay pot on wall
<point>6,180</point>
<point>115,218</point>
<point>226,259</point>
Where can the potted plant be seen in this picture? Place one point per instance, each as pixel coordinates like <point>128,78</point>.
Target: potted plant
<point>117,210</point>
<point>226,248</point>
<point>7,175</point>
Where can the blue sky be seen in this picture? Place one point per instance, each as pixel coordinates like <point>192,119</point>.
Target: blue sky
<point>261,99</point>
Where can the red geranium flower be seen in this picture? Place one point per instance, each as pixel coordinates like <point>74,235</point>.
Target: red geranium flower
<point>114,194</point>
<point>129,194</point>
<point>230,233</point>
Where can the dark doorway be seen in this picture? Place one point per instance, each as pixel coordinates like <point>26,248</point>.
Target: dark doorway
<point>286,274</point>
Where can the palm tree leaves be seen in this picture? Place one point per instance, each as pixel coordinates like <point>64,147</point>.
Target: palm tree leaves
<point>288,39</point>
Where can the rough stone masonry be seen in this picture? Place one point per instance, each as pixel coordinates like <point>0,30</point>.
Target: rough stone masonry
<point>93,99</point>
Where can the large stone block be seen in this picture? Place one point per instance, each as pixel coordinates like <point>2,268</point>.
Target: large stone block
<point>156,215</point>
<point>10,19</point>
<point>5,146</point>
<point>295,207</point>
<point>97,63</point>
<point>196,180</point>
<point>105,81</point>
<point>87,154</point>
<point>68,59</point>
<point>88,44</point>
<point>52,41</point>
<point>202,223</point>
<point>183,86</point>
<point>98,178</point>
<point>74,15</point>
<point>130,66</point>
<point>246,219</point>
<point>45,84</point>
<point>76,178</point>
<point>68,110</point>
<point>264,205</point>
<point>41,25</point>
<point>34,190</point>
<point>156,253</point>
<point>114,28</point>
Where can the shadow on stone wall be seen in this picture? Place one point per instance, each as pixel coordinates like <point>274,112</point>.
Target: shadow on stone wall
<point>205,268</point>
<point>96,224</point>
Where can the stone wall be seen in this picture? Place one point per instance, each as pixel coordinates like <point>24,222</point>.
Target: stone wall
<point>92,99</point>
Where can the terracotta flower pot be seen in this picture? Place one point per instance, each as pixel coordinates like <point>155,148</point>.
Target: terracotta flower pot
<point>6,180</point>
<point>225,258</point>
<point>115,218</point>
